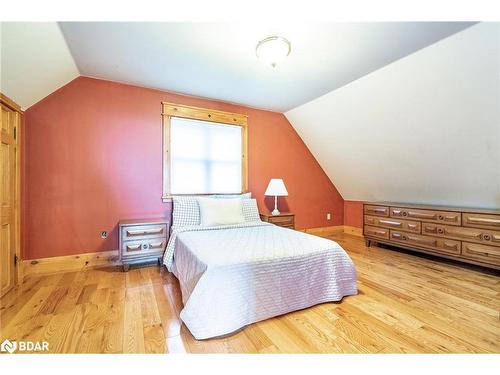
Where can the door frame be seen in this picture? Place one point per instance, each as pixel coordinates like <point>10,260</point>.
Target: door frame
<point>6,101</point>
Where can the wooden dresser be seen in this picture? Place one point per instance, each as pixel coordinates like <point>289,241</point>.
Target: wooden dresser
<point>285,220</point>
<point>142,241</point>
<point>468,235</point>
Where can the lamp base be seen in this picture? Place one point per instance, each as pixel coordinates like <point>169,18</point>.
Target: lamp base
<point>275,212</point>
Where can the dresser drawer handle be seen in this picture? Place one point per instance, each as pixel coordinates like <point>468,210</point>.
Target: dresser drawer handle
<point>440,230</point>
<point>481,220</point>
<point>441,217</point>
<point>392,223</point>
<point>422,215</point>
<point>420,240</point>
<point>376,232</point>
<point>450,246</point>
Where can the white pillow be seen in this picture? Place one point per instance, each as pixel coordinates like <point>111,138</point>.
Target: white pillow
<point>250,210</point>
<point>220,211</point>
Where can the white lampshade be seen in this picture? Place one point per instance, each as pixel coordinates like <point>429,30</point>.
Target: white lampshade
<point>276,187</point>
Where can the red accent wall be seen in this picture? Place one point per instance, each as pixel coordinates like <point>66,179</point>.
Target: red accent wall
<point>353,213</point>
<point>93,156</point>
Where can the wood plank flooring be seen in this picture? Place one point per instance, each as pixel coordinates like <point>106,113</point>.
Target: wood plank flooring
<point>406,304</point>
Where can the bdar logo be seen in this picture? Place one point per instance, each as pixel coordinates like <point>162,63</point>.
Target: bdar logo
<point>8,346</point>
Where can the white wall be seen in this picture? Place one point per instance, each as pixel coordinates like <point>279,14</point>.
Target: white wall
<point>424,129</point>
<point>35,61</point>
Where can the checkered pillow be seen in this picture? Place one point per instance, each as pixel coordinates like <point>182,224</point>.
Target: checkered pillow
<point>186,211</point>
<point>250,210</point>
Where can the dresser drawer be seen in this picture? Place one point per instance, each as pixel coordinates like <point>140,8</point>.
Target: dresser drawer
<point>440,245</point>
<point>481,220</point>
<point>482,236</point>
<point>144,247</point>
<point>139,232</point>
<point>405,225</point>
<point>445,217</point>
<point>376,210</point>
<point>376,232</point>
<point>481,253</point>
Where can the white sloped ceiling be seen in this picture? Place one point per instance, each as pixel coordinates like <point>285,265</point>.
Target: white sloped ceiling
<point>218,61</point>
<point>213,60</point>
<point>424,129</point>
<point>35,61</point>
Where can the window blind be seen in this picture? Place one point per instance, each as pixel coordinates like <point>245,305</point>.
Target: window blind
<point>205,157</point>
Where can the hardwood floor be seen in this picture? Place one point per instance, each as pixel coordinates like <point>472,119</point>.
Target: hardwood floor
<point>406,304</point>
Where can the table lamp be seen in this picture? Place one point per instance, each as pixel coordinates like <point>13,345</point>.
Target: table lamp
<point>277,189</point>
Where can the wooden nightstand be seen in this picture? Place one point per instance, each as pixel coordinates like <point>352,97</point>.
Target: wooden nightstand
<point>142,240</point>
<point>285,220</point>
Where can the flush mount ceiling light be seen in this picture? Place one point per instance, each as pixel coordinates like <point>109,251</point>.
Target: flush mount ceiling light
<point>273,50</point>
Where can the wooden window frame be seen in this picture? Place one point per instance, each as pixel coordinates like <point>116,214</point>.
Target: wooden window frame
<point>170,110</point>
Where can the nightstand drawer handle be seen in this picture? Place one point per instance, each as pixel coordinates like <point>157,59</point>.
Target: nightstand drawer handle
<point>156,245</point>
<point>144,232</point>
<point>133,247</point>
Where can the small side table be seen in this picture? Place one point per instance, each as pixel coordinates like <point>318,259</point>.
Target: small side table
<point>284,219</point>
<point>142,240</point>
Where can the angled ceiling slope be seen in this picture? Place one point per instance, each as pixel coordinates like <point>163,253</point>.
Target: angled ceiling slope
<point>425,129</point>
<point>217,60</point>
<point>35,61</point>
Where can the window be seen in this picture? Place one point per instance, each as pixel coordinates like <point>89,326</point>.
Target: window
<point>204,151</point>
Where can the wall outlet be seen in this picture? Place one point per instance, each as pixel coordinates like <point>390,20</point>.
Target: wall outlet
<point>328,216</point>
<point>104,234</point>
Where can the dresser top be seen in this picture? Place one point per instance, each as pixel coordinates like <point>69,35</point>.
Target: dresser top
<point>143,221</point>
<point>437,207</point>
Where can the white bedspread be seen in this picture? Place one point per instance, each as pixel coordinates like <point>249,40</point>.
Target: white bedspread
<point>232,276</point>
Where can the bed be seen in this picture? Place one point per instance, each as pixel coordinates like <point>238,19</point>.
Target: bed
<point>234,275</point>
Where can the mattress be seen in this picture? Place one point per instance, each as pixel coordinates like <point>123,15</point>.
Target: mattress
<point>235,275</point>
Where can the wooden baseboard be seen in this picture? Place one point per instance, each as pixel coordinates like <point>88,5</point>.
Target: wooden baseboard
<point>327,231</point>
<point>69,263</point>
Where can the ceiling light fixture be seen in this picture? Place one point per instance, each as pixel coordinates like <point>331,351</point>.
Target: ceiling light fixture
<point>273,50</point>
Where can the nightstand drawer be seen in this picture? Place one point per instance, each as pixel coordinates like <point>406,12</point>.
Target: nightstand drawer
<point>144,247</point>
<point>286,220</point>
<point>139,232</point>
<point>281,220</point>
